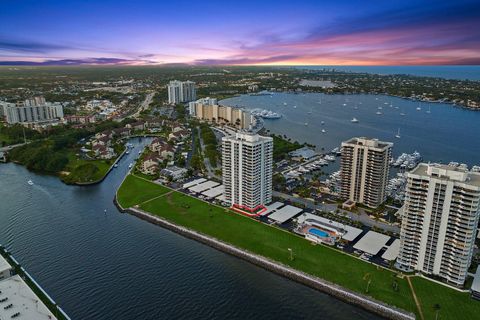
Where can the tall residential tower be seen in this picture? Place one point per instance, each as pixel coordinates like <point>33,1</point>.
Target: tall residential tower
<point>364,170</point>
<point>181,91</point>
<point>247,161</point>
<point>439,221</point>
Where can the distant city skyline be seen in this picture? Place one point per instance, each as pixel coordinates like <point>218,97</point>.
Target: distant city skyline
<point>148,32</point>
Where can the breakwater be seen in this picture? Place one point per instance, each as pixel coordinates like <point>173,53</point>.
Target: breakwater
<point>338,292</point>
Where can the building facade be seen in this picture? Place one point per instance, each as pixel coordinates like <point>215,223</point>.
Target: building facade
<point>439,221</point>
<point>181,91</point>
<point>247,161</point>
<point>31,110</point>
<point>207,109</point>
<point>365,167</point>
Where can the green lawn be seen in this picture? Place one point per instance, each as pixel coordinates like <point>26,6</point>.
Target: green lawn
<point>272,242</point>
<point>85,170</point>
<point>135,190</point>
<point>453,304</point>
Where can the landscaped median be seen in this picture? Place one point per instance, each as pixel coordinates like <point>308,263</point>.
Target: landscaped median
<point>273,243</point>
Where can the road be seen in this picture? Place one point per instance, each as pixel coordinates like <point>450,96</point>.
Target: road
<point>361,217</point>
<point>7,148</point>
<point>144,105</point>
<point>208,165</point>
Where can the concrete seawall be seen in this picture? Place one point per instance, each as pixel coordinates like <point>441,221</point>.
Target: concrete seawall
<point>343,294</point>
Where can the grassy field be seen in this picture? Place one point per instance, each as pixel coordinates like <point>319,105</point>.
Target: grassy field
<point>83,171</point>
<point>273,243</point>
<point>453,304</point>
<point>135,190</point>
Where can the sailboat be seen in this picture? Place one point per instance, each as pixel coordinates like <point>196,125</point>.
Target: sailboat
<point>398,134</point>
<point>429,111</point>
<point>419,108</point>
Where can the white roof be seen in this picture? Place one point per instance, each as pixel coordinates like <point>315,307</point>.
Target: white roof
<point>476,281</point>
<point>4,265</point>
<point>351,232</point>
<point>221,197</point>
<point>392,252</point>
<point>203,186</point>
<point>271,207</point>
<point>193,183</point>
<point>214,192</point>
<point>23,300</point>
<point>285,213</point>
<point>372,242</point>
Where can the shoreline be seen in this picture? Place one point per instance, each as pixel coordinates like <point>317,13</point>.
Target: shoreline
<point>313,282</point>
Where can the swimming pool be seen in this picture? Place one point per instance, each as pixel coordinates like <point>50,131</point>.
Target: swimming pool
<point>318,232</point>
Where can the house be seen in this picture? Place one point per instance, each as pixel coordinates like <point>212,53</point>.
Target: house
<point>150,164</point>
<point>139,125</point>
<point>122,132</point>
<point>166,151</point>
<point>80,119</point>
<point>179,135</point>
<point>174,172</point>
<point>103,141</point>
<point>156,144</point>
<point>103,152</point>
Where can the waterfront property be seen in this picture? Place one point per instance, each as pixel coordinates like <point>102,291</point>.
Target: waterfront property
<point>439,222</point>
<point>364,170</point>
<point>273,243</point>
<point>207,109</point>
<point>247,161</point>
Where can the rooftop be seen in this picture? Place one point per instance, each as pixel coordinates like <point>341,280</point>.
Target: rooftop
<point>392,251</point>
<point>447,172</point>
<point>372,242</point>
<point>368,142</point>
<point>284,214</point>
<point>476,281</point>
<point>23,301</point>
<point>4,265</point>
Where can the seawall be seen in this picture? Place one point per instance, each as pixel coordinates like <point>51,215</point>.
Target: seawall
<point>339,292</point>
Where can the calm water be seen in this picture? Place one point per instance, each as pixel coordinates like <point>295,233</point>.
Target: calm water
<point>447,72</point>
<point>445,134</point>
<point>115,266</point>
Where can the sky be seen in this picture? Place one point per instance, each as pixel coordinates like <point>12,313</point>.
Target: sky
<point>273,32</point>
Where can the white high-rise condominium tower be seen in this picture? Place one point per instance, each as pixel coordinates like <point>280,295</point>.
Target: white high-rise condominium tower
<point>439,221</point>
<point>364,170</point>
<point>247,169</point>
<point>181,91</point>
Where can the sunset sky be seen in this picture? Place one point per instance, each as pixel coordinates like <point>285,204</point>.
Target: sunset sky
<point>243,32</point>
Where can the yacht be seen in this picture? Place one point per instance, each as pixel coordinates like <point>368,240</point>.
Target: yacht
<point>354,120</point>
<point>398,134</point>
<point>30,182</point>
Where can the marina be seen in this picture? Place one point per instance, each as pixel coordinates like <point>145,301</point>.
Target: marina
<point>330,123</point>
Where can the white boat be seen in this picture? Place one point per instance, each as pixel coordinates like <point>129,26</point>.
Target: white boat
<point>306,123</point>
<point>379,108</point>
<point>398,134</point>
<point>354,120</point>
<point>284,103</point>
<point>429,111</point>
<point>140,152</point>
<point>127,152</point>
<point>324,131</point>
<point>344,104</point>
<point>30,182</point>
<point>115,165</point>
<point>294,107</point>
<point>322,123</point>
<point>379,113</point>
<point>130,165</point>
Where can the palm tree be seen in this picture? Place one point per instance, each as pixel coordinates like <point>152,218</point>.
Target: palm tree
<point>437,308</point>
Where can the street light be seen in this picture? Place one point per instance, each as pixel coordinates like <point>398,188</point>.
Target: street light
<point>291,253</point>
